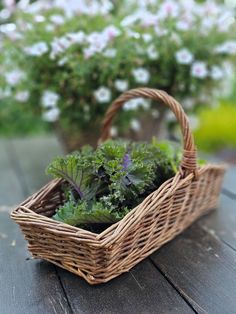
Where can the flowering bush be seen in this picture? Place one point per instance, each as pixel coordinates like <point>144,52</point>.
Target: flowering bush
<point>67,60</point>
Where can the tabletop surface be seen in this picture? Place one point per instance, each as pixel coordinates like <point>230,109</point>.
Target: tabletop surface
<point>194,273</point>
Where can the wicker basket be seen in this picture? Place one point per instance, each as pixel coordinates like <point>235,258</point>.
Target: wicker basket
<point>192,192</point>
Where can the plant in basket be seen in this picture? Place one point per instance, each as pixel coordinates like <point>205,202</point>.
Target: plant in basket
<point>67,60</point>
<point>103,185</point>
<point>110,207</point>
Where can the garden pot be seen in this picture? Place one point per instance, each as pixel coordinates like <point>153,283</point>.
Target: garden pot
<point>71,141</point>
<point>149,127</point>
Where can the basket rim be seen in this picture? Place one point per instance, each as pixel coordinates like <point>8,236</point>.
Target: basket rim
<point>23,212</point>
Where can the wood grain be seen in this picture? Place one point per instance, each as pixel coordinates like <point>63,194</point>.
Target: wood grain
<point>202,269</point>
<point>27,286</point>
<point>229,183</point>
<point>198,267</point>
<point>11,192</point>
<point>141,291</point>
<point>222,222</point>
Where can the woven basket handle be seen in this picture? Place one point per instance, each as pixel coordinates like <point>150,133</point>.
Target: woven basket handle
<point>189,159</point>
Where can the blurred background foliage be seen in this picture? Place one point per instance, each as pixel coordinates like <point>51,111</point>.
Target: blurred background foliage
<point>217,129</point>
<point>58,70</point>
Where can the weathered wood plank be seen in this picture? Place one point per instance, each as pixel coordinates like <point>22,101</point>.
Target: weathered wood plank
<point>202,269</point>
<point>143,290</point>
<point>229,183</point>
<point>221,223</point>
<point>33,155</point>
<point>11,191</point>
<point>26,286</point>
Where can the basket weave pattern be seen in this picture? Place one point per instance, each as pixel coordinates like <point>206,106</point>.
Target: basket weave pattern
<point>166,212</point>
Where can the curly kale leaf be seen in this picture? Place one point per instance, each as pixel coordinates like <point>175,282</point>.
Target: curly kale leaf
<point>76,170</point>
<point>85,213</point>
<point>108,182</point>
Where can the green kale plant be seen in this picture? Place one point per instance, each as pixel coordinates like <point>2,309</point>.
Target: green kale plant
<point>101,186</point>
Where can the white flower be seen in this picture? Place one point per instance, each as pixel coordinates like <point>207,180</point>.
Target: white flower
<point>51,115</point>
<point>168,9</point>
<point>135,125</point>
<point>39,18</point>
<point>152,53</point>
<point>141,75</point>
<point>105,7</point>
<point>37,49</point>
<point>89,52</point>
<point>7,28</point>
<point>113,131</point>
<point>131,105</point>
<point>121,85</point>
<point>111,32</point>
<point>160,31</point>
<point>110,53</point>
<point>49,28</point>
<point>57,19</point>
<point>199,70</point>
<point>229,47</point>
<point>62,61</point>
<point>50,99</point>
<point>95,37</point>
<point>208,24</point>
<point>14,77</point>
<point>148,19</point>
<point>8,3</point>
<point>77,38</point>
<point>225,21</point>
<point>97,41</point>
<point>130,19</point>
<point>102,94</point>
<point>183,25</point>
<point>5,14</point>
<point>22,96</point>
<point>13,36</point>
<point>216,73</point>
<point>184,56</point>
<point>59,45</point>
<point>147,37</point>
<point>82,7</point>
<point>133,34</point>
<point>136,103</point>
<point>29,26</point>
<point>230,3</point>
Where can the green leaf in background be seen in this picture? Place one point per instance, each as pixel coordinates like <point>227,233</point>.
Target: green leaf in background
<point>217,129</point>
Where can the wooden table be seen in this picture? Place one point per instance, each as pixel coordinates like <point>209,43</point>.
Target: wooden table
<point>195,273</point>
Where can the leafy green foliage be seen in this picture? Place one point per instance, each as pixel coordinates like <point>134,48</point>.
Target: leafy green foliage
<point>149,43</point>
<point>102,185</point>
<point>18,120</point>
<point>217,128</point>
